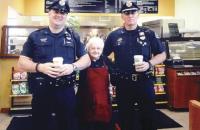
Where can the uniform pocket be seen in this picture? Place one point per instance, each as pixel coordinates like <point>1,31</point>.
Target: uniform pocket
<point>68,50</point>
<point>43,50</point>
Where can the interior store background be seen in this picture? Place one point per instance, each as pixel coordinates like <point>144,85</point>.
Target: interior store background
<point>31,12</point>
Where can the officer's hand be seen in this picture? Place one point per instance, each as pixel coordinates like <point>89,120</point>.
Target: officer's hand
<point>66,69</point>
<point>50,69</point>
<point>144,66</point>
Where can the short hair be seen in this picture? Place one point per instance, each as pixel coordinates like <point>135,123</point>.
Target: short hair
<point>94,41</point>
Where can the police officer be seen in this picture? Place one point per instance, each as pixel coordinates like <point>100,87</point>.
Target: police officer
<point>54,100</point>
<point>134,86</point>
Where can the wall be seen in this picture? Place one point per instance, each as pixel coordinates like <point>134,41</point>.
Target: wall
<point>34,7</point>
<point>188,10</point>
<point>18,5</point>
<point>6,64</point>
<point>5,76</point>
<point>3,20</point>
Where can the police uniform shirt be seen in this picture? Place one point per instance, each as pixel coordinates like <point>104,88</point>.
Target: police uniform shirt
<point>42,46</point>
<point>127,43</point>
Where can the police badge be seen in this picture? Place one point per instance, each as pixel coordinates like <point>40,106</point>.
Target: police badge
<point>128,3</point>
<point>142,39</point>
<point>62,2</point>
<point>119,41</point>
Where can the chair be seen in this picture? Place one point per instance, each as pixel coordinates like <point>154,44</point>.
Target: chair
<point>194,115</point>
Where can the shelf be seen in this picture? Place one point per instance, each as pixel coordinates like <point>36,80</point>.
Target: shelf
<point>157,84</point>
<point>9,56</point>
<point>159,75</point>
<point>114,105</point>
<point>21,108</point>
<point>161,102</point>
<point>19,80</point>
<point>22,95</point>
<point>160,93</point>
<point>159,65</point>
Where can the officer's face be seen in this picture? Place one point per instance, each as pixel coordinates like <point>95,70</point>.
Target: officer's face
<point>95,51</point>
<point>56,18</point>
<point>130,18</point>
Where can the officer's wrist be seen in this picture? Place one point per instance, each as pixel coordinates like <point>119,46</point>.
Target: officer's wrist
<point>37,67</point>
<point>75,68</point>
<point>150,65</point>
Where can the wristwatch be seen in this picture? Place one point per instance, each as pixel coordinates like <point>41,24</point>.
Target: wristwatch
<point>75,68</point>
<point>150,65</point>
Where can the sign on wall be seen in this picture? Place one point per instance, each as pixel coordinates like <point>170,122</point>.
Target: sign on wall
<point>106,6</point>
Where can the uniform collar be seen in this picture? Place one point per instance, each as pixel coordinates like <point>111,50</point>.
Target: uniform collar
<point>127,31</point>
<point>47,31</point>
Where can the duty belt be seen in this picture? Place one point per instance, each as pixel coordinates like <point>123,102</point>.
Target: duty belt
<point>135,77</point>
<point>64,81</point>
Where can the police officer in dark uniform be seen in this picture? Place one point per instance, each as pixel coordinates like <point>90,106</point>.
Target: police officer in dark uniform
<point>134,89</point>
<point>52,85</point>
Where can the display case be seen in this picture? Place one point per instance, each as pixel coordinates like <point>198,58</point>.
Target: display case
<point>13,38</point>
<point>185,51</point>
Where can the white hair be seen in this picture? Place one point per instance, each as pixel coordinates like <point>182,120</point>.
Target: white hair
<point>95,41</point>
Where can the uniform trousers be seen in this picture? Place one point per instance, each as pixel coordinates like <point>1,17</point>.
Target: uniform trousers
<point>54,107</point>
<point>136,104</point>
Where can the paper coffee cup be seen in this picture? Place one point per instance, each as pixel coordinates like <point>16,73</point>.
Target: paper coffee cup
<point>138,59</point>
<point>58,60</point>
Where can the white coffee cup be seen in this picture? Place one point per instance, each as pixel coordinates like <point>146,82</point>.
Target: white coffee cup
<point>138,59</point>
<point>58,60</point>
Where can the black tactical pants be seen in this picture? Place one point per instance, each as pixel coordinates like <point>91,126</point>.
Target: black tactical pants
<point>136,104</point>
<point>53,106</point>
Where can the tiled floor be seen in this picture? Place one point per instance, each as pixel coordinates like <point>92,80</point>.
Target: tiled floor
<point>4,121</point>
<point>181,117</point>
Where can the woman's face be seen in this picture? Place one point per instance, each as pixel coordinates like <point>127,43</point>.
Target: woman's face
<point>95,51</point>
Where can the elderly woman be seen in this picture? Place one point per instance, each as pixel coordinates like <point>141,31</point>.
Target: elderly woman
<point>94,99</point>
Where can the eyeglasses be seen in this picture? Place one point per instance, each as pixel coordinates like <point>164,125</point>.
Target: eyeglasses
<point>129,12</point>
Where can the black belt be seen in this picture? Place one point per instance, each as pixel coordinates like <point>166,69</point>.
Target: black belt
<point>64,81</point>
<point>134,77</point>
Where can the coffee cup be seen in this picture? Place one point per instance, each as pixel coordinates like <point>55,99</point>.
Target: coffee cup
<point>138,59</point>
<point>58,60</point>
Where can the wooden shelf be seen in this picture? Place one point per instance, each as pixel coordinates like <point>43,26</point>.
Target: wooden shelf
<point>22,95</point>
<point>161,102</point>
<point>157,84</point>
<point>114,105</point>
<point>21,108</point>
<point>18,80</point>
<point>160,93</point>
<point>159,75</point>
<point>159,65</point>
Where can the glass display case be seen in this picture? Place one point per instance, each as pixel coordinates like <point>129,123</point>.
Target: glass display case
<point>13,38</point>
<point>186,50</point>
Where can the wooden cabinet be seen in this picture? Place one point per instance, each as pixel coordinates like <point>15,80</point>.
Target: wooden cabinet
<point>183,85</point>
